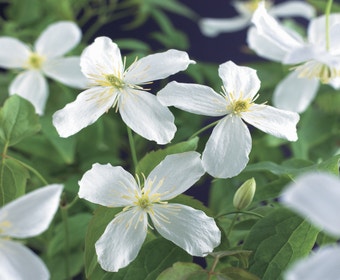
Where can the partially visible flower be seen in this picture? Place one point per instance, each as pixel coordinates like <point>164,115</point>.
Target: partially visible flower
<point>45,59</point>
<point>316,197</point>
<point>25,217</point>
<point>113,86</point>
<point>188,228</point>
<point>213,26</point>
<point>315,60</point>
<point>227,150</point>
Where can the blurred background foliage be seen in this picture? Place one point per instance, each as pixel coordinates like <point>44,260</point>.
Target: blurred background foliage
<point>142,27</point>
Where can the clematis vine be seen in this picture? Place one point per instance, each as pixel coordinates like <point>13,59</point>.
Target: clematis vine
<point>113,86</point>
<point>316,196</point>
<point>122,239</point>
<point>227,151</point>
<point>315,60</point>
<point>213,26</point>
<point>25,217</point>
<point>45,59</point>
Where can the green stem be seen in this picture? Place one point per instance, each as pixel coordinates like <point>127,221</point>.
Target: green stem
<point>203,129</point>
<point>132,147</point>
<point>34,171</point>
<point>240,212</point>
<point>64,216</point>
<point>232,225</point>
<point>211,271</point>
<point>4,155</point>
<point>327,13</point>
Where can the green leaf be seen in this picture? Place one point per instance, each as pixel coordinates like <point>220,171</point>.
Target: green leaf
<point>13,179</point>
<point>64,146</point>
<point>132,44</point>
<point>154,257</point>
<point>183,271</point>
<point>278,240</point>
<point>235,273</point>
<point>152,159</point>
<point>77,226</point>
<point>18,120</point>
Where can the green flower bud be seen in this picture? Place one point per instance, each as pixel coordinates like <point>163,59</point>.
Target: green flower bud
<point>245,194</point>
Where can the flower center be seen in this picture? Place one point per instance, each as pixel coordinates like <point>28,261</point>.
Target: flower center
<point>144,202</point>
<point>240,106</point>
<point>252,5</point>
<point>35,61</point>
<point>115,81</point>
<point>315,69</point>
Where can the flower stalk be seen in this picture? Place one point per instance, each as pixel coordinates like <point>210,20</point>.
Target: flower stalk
<point>327,13</point>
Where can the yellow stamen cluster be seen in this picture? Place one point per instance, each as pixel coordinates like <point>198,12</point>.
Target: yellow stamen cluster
<point>35,61</point>
<point>115,81</point>
<point>240,106</point>
<point>252,5</point>
<point>315,69</point>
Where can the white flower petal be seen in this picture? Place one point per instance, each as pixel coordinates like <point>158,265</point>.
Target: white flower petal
<point>100,58</point>
<point>30,214</point>
<point>85,110</point>
<point>227,150</point>
<point>32,86</point>
<point>294,93</point>
<point>66,71</point>
<point>188,228</point>
<point>214,26</point>
<point>264,47</point>
<point>279,123</point>
<point>174,175</point>
<point>58,39</point>
<point>120,243</point>
<point>197,99</point>
<point>143,113</point>
<point>334,40</point>
<point>19,263</point>
<point>293,9</point>
<point>316,197</point>
<point>317,29</point>
<point>299,55</point>
<point>108,185</point>
<point>324,264</point>
<point>240,81</point>
<point>335,83</point>
<point>157,66</point>
<point>268,27</point>
<point>13,53</point>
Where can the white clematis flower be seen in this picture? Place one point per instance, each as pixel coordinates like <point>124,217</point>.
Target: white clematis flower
<point>213,26</point>
<point>25,217</point>
<point>314,60</point>
<point>188,228</point>
<point>316,196</point>
<point>45,59</point>
<point>227,150</point>
<point>113,86</point>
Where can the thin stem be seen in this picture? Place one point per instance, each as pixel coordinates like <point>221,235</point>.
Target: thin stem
<point>34,171</point>
<point>4,154</point>
<point>240,212</point>
<point>203,129</point>
<point>327,13</point>
<point>64,216</point>
<point>132,147</point>
<point>232,225</point>
<point>211,271</point>
<point>73,202</point>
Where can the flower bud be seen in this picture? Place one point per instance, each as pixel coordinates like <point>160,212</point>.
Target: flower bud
<point>245,194</point>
